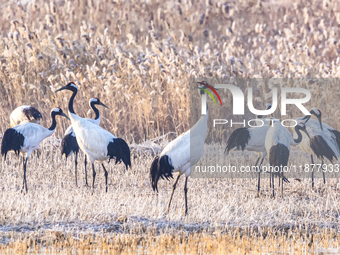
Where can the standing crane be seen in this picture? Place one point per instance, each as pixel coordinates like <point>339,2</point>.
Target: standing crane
<point>277,143</point>
<point>251,139</point>
<point>97,143</point>
<point>324,140</point>
<point>23,114</point>
<point>181,154</point>
<point>69,143</point>
<point>25,138</point>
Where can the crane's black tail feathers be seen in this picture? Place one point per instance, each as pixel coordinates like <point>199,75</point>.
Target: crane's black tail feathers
<point>12,140</point>
<point>321,148</point>
<point>238,139</point>
<point>160,168</point>
<point>119,150</point>
<point>278,156</point>
<point>69,145</point>
<point>32,112</point>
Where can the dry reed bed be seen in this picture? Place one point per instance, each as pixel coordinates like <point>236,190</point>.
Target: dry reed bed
<point>138,57</point>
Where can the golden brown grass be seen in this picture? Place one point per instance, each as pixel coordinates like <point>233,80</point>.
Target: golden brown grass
<point>192,243</point>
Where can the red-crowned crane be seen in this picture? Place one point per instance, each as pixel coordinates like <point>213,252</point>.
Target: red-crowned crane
<point>97,143</point>
<point>324,140</point>
<point>23,114</point>
<point>25,138</point>
<point>177,156</point>
<point>251,139</point>
<point>69,143</point>
<point>278,141</point>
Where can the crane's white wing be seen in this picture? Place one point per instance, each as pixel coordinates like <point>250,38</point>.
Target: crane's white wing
<point>17,116</point>
<point>178,150</point>
<point>278,134</point>
<point>33,134</point>
<point>257,138</point>
<point>69,130</point>
<point>92,139</point>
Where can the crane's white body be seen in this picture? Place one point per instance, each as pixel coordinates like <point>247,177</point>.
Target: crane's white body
<point>187,149</point>
<point>278,134</point>
<point>181,154</point>
<point>33,134</point>
<point>25,138</point>
<point>313,129</point>
<point>257,135</point>
<point>91,138</point>
<point>69,130</point>
<point>18,116</point>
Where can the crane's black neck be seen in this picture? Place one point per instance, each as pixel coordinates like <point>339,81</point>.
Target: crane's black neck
<point>94,108</point>
<point>299,138</point>
<point>70,103</point>
<point>54,122</point>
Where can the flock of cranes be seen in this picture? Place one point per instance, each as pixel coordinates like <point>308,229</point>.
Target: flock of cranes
<point>97,143</point>
<point>317,138</point>
<point>272,139</point>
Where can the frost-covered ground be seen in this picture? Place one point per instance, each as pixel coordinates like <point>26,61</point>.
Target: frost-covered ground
<point>53,202</point>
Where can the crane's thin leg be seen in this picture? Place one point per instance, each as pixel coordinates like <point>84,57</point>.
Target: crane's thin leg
<point>24,184</point>
<point>23,166</point>
<point>270,179</point>
<point>258,184</point>
<point>186,195</point>
<point>94,175</point>
<point>273,183</point>
<point>106,174</point>
<point>172,193</point>
<point>86,184</point>
<point>281,184</point>
<point>75,167</point>
<point>311,156</point>
<point>258,180</point>
<point>323,174</point>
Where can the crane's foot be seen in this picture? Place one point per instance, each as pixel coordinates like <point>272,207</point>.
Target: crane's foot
<point>185,213</point>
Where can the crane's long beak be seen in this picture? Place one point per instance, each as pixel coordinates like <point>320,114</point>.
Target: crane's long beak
<point>63,114</point>
<point>103,105</point>
<point>306,118</point>
<point>305,130</point>
<point>202,84</point>
<point>60,89</point>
